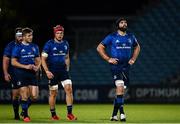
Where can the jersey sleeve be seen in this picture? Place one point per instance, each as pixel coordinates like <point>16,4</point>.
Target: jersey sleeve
<point>7,51</point>
<point>37,51</point>
<point>135,42</point>
<point>16,52</point>
<point>106,41</point>
<point>46,48</point>
<point>67,45</point>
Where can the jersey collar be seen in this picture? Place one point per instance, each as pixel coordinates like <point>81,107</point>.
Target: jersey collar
<point>24,43</point>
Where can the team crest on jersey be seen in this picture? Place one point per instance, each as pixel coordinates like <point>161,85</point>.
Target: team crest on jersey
<point>34,49</point>
<point>123,44</point>
<point>65,47</point>
<point>23,50</point>
<point>129,40</point>
<point>115,77</point>
<point>29,53</point>
<point>54,48</point>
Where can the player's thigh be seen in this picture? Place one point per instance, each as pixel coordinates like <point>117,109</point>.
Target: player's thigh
<point>53,85</point>
<point>125,75</point>
<point>32,80</point>
<point>53,93</point>
<point>120,78</point>
<point>65,80</point>
<point>119,90</point>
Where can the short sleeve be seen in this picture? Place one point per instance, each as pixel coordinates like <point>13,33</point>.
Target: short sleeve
<point>7,51</point>
<point>67,45</point>
<point>107,41</point>
<point>46,48</point>
<point>135,42</point>
<point>37,51</point>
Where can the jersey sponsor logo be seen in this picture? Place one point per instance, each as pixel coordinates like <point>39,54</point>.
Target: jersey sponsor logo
<point>59,54</point>
<point>29,53</point>
<point>123,46</point>
<point>28,56</point>
<point>65,47</point>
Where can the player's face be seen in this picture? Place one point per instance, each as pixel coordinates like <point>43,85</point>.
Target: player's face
<point>19,38</point>
<point>28,37</point>
<point>59,35</point>
<point>123,25</point>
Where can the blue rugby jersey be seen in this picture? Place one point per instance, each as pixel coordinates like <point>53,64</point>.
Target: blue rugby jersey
<point>8,53</point>
<point>26,53</point>
<point>121,47</point>
<point>57,52</point>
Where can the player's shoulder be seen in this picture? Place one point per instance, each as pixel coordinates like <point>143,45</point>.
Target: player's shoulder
<point>65,41</point>
<point>17,47</point>
<point>49,42</point>
<point>11,44</point>
<point>34,44</point>
<point>130,34</point>
<point>113,34</point>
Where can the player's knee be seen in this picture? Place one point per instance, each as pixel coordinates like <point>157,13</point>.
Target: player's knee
<point>24,97</point>
<point>68,89</point>
<point>34,97</point>
<point>119,87</point>
<point>120,90</point>
<point>53,93</point>
<point>14,97</point>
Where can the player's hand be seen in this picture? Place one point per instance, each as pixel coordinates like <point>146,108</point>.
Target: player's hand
<point>131,61</point>
<point>35,68</point>
<point>49,74</point>
<point>113,61</point>
<point>7,77</point>
<point>29,67</point>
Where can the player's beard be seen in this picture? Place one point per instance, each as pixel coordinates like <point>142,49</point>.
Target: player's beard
<point>122,29</point>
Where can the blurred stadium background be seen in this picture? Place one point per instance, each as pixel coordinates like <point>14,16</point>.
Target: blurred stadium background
<point>155,78</point>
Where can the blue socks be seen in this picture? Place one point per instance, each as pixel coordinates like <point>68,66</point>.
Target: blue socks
<point>24,105</point>
<point>120,101</point>
<point>118,105</point>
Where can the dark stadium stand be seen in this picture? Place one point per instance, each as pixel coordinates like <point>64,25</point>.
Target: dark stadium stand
<point>157,30</point>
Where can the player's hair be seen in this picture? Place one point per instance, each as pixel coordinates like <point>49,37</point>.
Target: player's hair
<point>26,31</point>
<point>118,21</point>
<point>18,29</point>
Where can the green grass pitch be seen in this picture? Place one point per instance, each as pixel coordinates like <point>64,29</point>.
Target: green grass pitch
<point>100,113</point>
